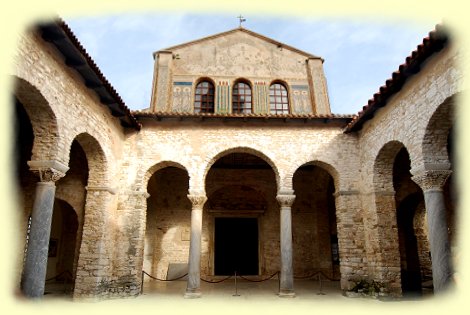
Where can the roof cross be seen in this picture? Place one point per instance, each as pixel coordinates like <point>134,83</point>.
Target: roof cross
<point>242,19</point>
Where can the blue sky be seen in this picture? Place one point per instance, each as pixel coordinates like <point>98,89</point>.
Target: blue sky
<point>359,54</point>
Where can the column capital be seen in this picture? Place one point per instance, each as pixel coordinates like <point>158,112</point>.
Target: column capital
<point>48,171</point>
<point>197,200</point>
<point>285,200</point>
<point>431,179</point>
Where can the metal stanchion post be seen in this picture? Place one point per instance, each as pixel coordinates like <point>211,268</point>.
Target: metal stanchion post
<point>236,289</point>
<point>321,285</point>
<point>65,284</point>
<point>142,283</point>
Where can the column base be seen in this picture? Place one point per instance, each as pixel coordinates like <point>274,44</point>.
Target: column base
<point>192,294</point>
<point>286,294</point>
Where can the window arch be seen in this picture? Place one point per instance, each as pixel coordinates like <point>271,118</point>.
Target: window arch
<point>241,98</point>
<point>278,98</point>
<point>204,97</point>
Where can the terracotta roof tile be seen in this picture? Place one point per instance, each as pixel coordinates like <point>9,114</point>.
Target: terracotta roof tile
<point>148,114</point>
<point>436,40</point>
<point>110,97</point>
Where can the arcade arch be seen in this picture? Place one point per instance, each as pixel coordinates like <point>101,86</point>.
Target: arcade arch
<point>241,190</point>
<point>168,221</point>
<point>315,236</point>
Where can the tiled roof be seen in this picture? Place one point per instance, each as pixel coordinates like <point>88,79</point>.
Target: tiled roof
<point>436,40</point>
<point>61,36</point>
<point>159,115</point>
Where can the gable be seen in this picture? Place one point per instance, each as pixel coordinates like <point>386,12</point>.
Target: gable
<point>239,52</point>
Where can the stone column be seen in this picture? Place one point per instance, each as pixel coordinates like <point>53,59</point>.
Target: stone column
<point>33,278</point>
<point>193,289</point>
<point>432,182</point>
<point>287,275</point>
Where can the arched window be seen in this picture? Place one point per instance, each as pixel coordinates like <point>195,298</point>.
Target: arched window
<point>241,98</point>
<point>278,99</point>
<point>204,97</point>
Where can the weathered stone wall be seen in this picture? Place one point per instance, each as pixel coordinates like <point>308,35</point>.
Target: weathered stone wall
<point>403,122</point>
<point>407,114</point>
<point>61,108</point>
<point>195,146</point>
<point>236,55</point>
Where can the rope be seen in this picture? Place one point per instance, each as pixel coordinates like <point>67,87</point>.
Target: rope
<point>208,281</point>
<point>228,277</point>
<point>155,278</point>
<point>262,280</point>
<point>314,274</point>
<point>217,281</point>
<point>60,274</point>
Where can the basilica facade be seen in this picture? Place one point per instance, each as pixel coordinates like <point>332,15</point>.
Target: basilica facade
<point>238,165</point>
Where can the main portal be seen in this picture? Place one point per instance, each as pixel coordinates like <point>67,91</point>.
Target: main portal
<point>236,246</point>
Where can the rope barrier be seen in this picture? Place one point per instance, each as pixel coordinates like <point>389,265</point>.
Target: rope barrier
<point>228,277</point>
<point>68,273</point>
<point>318,274</point>
<point>262,280</point>
<point>217,281</point>
<point>155,278</point>
<point>315,274</point>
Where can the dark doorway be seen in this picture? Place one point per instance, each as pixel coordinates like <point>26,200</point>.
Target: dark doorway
<point>236,246</point>
<point>408,245</point>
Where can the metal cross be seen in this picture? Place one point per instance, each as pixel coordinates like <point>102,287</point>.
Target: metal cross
<point>242,19</point>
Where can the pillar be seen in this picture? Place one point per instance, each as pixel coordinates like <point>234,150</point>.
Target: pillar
<point>432,183</point>
<point>162,86</point>
<point>286,288</point>
<point>96,255</point>
<point>351,240</point>
<point>33,279</point>
<point>193,289</point>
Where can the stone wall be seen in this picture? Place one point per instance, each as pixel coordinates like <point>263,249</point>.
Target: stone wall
<point>61,109</point>
<point>402,123</point>
<point>195,146</point>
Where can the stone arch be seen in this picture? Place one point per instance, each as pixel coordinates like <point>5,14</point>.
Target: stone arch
<point>167,214</point>
<point>331,170</point>
<point>161,165</point>
<point>100,230</point>
<point>247,150</point>
<point>383,166</point>
<point>98,170</point>
<point>42,118</point>
<point>435,139</point>
<point>392,184</point>
<point>240,184</point>
<point>314,220</point>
